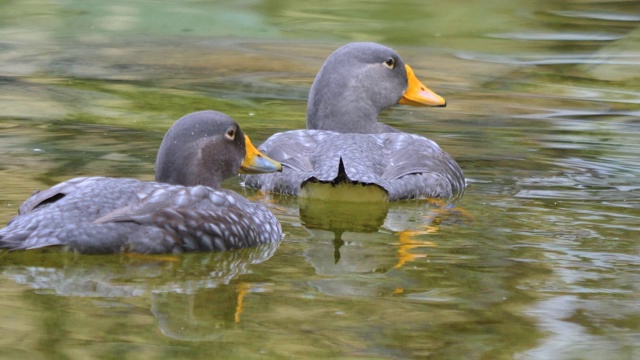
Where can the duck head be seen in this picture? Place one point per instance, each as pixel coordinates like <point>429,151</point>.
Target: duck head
<point>357,82</point>
<point>206,147</point>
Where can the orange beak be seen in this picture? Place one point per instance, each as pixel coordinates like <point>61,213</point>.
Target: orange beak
<point>419,95</point>
<point>256,162</point>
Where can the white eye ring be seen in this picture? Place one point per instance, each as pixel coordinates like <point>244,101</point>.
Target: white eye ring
<point>390,63</point>
<point>230,134</point>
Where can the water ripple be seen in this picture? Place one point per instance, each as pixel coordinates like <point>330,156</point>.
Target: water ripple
<point>598,15</point>
<point>629,58</point>
<point>562,36</point>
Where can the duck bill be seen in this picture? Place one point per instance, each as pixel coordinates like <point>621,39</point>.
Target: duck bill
<point>256,162</point>
<point>419,95</point>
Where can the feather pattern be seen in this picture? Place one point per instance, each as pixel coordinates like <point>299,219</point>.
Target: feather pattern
<point>354,85</point>
<point>107,215</point>
<point>404,165</point>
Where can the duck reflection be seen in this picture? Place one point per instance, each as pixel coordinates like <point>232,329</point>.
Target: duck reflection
<point>206,314</point>
<point>340,217</point>
<point>343,245</point>
<point>195,297</point>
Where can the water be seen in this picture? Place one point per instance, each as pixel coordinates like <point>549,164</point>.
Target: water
<point>538,260</point>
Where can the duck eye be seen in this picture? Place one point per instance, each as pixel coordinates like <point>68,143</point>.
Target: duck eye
<point>390,63</point>
<point>231,134</point>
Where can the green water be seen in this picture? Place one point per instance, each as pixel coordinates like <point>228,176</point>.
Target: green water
<point>538,260</point>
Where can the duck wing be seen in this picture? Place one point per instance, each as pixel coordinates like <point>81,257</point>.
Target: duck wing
<point>196,218</point>
<point>294,150</point>
<point>106,215</point>
<point>41,198</point>
<point>59,215</point>
<point>417,167</point>
<point>404,165</point>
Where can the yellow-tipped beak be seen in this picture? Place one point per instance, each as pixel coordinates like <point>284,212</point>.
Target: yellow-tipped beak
<point>419,95</point>
<point>256,162</point>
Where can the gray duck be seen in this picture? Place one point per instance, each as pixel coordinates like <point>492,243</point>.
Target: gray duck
<point>344,143</point>
<point>186,209</point>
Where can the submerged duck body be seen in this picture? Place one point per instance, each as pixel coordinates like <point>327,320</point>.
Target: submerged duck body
<point>345,144</point>
<point>185,210</point>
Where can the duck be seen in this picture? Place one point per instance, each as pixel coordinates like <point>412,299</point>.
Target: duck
<point>185,209</point>
<point>346,153</point>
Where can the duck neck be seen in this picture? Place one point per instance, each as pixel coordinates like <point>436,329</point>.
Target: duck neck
<point>345,116</point>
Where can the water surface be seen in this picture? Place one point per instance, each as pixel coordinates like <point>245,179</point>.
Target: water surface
<point>538,260</point>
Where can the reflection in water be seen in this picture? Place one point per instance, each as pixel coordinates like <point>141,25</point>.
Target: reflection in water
<point>190,294</point>
<point>406,219</point>
<point>542,118</point>
<point>405,225</point>
<point>203,315</point>
<point>339,217</point>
